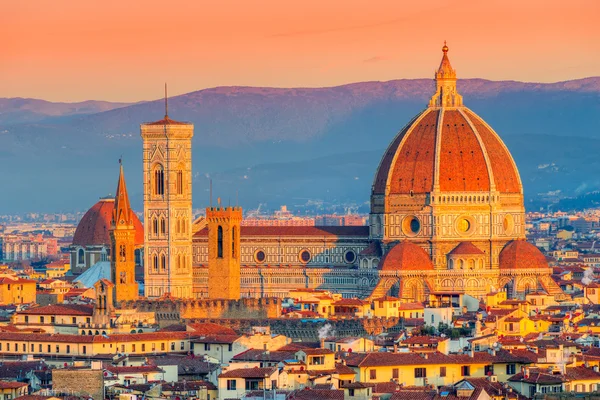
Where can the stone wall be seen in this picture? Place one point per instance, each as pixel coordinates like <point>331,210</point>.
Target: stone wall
<point>172,310</point>
<point>81,383</point>
<point>308,330</point>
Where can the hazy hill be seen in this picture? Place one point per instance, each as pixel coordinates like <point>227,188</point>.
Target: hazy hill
<point>288,145</point>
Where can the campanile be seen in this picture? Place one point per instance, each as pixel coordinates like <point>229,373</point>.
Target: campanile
<point>167,165</point>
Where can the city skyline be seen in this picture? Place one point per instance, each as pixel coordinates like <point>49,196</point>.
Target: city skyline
<point>112,52</point>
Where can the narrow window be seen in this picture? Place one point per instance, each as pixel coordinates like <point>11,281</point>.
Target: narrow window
<point>220,242</point>
<point>155,226</point>
<point>81,257</point>
<point>233,239</point>
<point>163,226</point>
<point>155,263</point>
<point>159,180</point>
<point>179,182</point>
<point>163,263</point>
<point>122,253</point>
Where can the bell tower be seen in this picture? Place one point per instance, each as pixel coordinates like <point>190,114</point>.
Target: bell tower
<point>224,252</point>
<point>122,236</point>
<point>167,165</point>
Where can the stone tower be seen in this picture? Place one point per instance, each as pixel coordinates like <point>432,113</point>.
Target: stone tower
<point>224,252</point>
<point>122,237</point>
<point>167,159</point>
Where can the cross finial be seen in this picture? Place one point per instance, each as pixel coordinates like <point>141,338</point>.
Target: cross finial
<point>121,160</point>
<point>166,102</point>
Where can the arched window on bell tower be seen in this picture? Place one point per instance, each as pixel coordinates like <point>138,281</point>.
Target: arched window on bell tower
<point>155,263</point>
<point>233,239</point>
<point>163,226</point>
<point>179,183</point>
<point>163,263</point>
<point>155,226</point>
<point>159,180</point>
<point>220,242</point>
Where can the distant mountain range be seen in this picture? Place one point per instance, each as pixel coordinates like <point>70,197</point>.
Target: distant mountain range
<point>289,146</point>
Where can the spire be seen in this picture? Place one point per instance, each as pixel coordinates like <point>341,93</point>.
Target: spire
<point>166,103</point>
<point>122,213</point>
<point>445,82</point>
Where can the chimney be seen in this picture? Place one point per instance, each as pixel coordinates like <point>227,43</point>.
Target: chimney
<point>471,352</point>
<point>322,343</point>
<point>395,347</point>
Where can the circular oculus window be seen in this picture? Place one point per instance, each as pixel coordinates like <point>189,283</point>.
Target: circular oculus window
<point>411,225</point>
<point>465,225</point>
<point>350,257</point>
<point>260,256</point>
<point>508,224</point>
<point>304,256</point>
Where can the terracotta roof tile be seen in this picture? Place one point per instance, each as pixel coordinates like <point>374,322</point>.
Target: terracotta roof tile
<point>520,254</point>
<point>406,256</point>
<point>466,248</point>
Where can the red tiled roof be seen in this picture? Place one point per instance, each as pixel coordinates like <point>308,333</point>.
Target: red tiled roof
<point>318,394</point>
<point>520,254</point>
<point>406,256</point>
<point>582,373</point>
<point>93,229</point>
<point>320,231</point>
<point>167,121</point>
<point>60,309</point>
<point>11,385</point>
<point>316,352</point>
<point>466,248</point>
<point>11,281</point>
<point>134,369</point>
<point>209,328</point>
<point>248,373</point>
<point>408,165</point>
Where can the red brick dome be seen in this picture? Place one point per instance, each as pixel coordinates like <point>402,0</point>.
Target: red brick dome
<point>406,256</point>
<point>520,254</point>
<point>472,157</point>
<point>93,229</point>
<point>448,147</point>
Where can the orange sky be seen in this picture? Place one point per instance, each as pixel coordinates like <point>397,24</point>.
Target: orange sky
<point>123,50</point>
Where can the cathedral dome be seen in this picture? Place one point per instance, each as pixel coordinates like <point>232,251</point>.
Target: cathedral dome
<point>446,148</point>
<point>93,229</point>
<point>520,254</point>
<point>406,256</point>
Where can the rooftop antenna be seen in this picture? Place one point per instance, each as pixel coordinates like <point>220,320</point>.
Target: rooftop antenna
<point>166,102</point>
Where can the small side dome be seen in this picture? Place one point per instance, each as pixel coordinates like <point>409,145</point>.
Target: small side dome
<point>466,248</point>
<point>520,254</point>
<point>406,256</point>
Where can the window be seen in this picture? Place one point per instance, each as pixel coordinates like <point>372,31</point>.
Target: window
<point>231,384</point>
<point>122,253</point>
<point>80,257</point>
<point>179,182</point>
<point>373,374</point>
<point>41,320</point>
<point>155,263</point>
<point>351,392</point>
<point>68,348</point>
<point>233,234</point>
<point>395,374</point>
<point>84,350</point>
<point>162,347</point>
<point>488,370</point>
<point>133,347</point>
<point>74,320</point>
<point>220,242</point>
<point>163,263</point>
<point>143,346</point>
<point>57,348</point>
<point>163,226</point>
<point>420,372</point>
<point>52,320</point>
<point>229,347</point>
<point>39,348</point>
<point>182,346</point>
<point>159,180</point>
<point>172,346</point>
<point>155,226</point>
<point>465,370</point>
<point>511,369</point>
<point>442,371</point>
<point>49,349</point>
<point>27,319</point>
